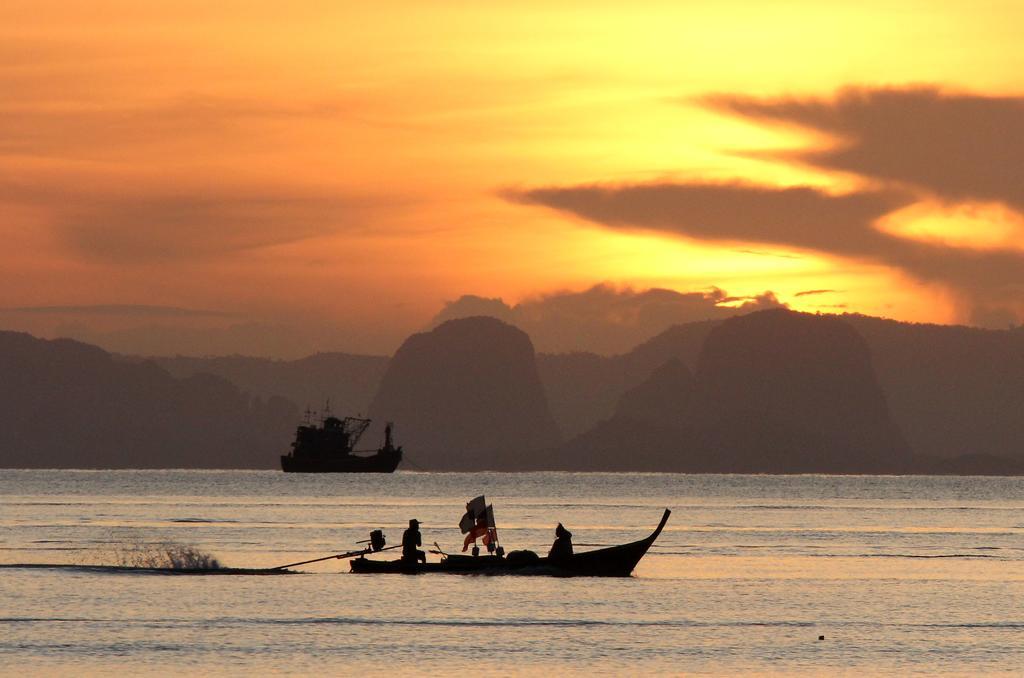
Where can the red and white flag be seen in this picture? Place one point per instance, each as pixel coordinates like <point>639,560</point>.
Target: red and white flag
<point>478,523</point>
<point>474,509</point>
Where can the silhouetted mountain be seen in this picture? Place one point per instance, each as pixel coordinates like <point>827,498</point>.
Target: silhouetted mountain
<point>584,388</point>
<point>666,396</point>
<point>683,342</point>
<point>350,381</point>
<point>647,432</point>
<point>761,392</point>
<point>466,395</point>
<point>68,404</point>
<point>953,390</point>
<point>956,393</point>
<point>778,391</point>
<point>774,392</point>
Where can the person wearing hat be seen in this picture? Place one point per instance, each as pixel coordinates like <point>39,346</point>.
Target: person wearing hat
<point>411,541</point>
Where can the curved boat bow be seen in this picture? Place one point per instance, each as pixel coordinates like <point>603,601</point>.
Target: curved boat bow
<point>613,561</point>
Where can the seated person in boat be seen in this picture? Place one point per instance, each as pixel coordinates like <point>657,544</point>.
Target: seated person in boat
<point>562,548</point>
<point>411,541</point>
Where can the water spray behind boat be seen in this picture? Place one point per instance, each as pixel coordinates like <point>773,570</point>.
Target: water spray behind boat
<point>137,554</point>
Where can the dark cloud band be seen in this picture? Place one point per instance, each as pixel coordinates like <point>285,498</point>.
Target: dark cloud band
<point>960,147</point>
<point>916,143</point>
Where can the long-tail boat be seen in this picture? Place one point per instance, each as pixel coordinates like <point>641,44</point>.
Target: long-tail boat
<point>613,561</point>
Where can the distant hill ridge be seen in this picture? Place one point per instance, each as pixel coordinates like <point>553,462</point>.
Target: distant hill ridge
<point>66,404</point>
<point>774,392</point>
<point>955,394</point>
<point>349,381</point>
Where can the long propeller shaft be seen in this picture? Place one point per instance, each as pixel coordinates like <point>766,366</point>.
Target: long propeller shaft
<point>339,556</point>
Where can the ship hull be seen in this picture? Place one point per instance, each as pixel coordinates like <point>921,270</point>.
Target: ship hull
<point>382,462</point>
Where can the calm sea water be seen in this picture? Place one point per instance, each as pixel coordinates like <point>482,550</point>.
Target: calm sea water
<point>900,574</point>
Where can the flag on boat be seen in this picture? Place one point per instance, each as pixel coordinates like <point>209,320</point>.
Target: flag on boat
<point>478,523</point>
<point>492,529</point>
<point>474,508</point>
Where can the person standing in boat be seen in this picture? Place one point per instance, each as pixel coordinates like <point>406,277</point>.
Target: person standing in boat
<point>562,548</point>
<point>411,541</point>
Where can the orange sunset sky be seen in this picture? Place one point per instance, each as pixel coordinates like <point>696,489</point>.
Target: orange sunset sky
<point>279,178</point>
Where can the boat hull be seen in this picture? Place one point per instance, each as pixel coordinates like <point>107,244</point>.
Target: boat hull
<point>615,561</point>
<point>382,462</point>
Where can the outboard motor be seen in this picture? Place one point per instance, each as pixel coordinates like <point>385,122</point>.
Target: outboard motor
<point>377,541</point>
